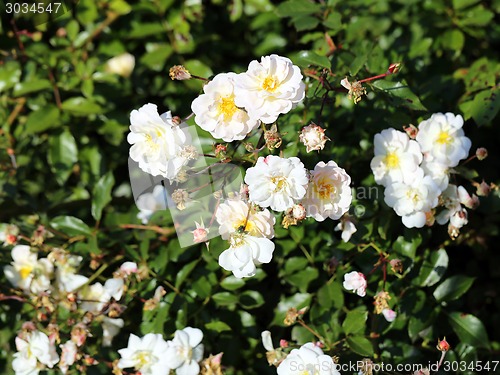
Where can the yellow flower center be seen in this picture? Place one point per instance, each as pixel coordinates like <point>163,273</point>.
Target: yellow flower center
<point>279,183</point>
<point>444,138</point>
<point>227,108</point>
<point>245,226</point>
<point>143,358</point>
<point>325,188</point>
<point>270,84</point>
<point>25,271</point>
<point>412,194</point>
<point>392,160</point>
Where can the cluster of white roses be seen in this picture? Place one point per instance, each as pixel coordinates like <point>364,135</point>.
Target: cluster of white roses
<point>152,355</point>
<point>283,185</point>
<point>230,108</point>
<point>415,171</point>
<point>56,276</point>
<point>308,359</point>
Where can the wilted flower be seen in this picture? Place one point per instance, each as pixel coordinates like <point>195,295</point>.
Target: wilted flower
<point>396,265</point>
<point>313,137</point>
<point>179,72</point>
<point>122,65</point>
<point>355,90</point>
<point>356,282</point>
<point>212,365</point>
<point>380,302</point>
<point>272,137</point>
<point>269,87</point>
<point>180,197</point>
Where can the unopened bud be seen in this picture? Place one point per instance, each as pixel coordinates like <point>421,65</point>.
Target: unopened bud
<point>283,343</point>
<point>176,120</point>
<point>483,189</point>
<point>481,153</point>
<point>443,345</point>
<point>180,73</point>
<point>393,68</point>
<point>411,130</point>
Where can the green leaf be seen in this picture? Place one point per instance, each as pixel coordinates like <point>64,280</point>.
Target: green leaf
<point>461,4</point>
<point>483,108</point>
<point>62,155</point>
<point>360,345</point>
<point>28,87</point>
<point>306,58</point>
<point>305,23</point>
<point>202,287</point>
<point>432,270</point>
<point>477,16</point>
<point>42,119</point>
<point>81,106</point>
<point>469,329</point>
<point>407,245</point>
<point>400,94</point>
<point>184,273</point>
<point>225,298</point>
<point>293,8</point>
<point>217,326</point>
<point>70,225</point>
<point>232,283</point>
<point>330,295</point>
<point>452,288</point>
<point>251,299</point>
<point>141,30</point>
<point>101,194</point>
<point>10,73</point>
<point>120,7</point>
<point>354,321</point>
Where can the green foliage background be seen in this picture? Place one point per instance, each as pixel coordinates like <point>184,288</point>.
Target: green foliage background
<point>66,120</point>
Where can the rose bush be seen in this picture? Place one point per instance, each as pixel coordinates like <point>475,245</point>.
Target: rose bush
<point>289,181</point>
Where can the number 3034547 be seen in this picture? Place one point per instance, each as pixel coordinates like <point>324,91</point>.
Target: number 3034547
<point>34,8</point>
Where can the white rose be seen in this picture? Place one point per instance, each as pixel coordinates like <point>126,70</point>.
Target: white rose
<point>269,87</point>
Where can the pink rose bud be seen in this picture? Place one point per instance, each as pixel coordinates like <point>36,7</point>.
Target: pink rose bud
<point>481,153</point>
<point>283,343</point>
<point>443,345</point>
<point>411,130</point>
<point>393,68</point>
